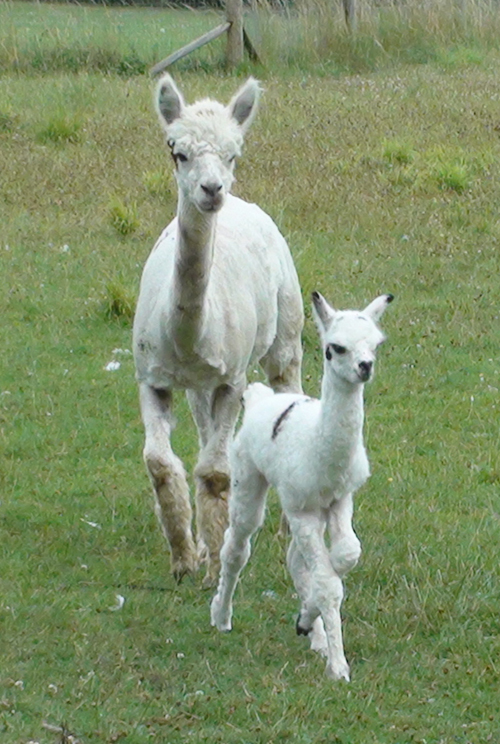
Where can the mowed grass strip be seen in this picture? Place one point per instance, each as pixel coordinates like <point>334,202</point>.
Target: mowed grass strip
<point>351,169</point>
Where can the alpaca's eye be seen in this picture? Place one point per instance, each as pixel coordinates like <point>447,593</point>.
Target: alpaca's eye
<point>181,157</point>
<point>338,349</point>
<point>232,159</point>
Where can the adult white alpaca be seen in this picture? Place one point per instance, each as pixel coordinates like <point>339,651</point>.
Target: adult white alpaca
<point>219,291</point>
<point>312,452</point>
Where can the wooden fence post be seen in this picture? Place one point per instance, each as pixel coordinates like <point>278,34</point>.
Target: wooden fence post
<point>234,15</point>
<point>350,14</point>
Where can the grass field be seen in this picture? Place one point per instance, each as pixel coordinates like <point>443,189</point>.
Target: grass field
<point>382,181</point>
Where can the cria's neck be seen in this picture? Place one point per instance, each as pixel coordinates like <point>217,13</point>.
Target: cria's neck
<point>342,413</point>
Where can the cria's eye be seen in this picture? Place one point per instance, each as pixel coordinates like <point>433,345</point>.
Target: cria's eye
<point>181,157</point>
<point>232,159</point>
<point>338,349</point>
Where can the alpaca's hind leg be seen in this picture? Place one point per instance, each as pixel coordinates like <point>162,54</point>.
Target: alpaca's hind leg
<point>345,548</point>
<point>282,363</point>
<point>302,581</point>
<point>246,514</point>
<point>167,475</point>
<point>326,591</point>
<point>283,369</point>
<point>212,470</point>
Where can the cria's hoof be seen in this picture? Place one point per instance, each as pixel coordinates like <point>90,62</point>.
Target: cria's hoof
<point>339,671</point>
<point>299,630</point>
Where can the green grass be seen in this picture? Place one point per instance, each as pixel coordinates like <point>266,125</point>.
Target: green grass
<point>352,170</point>
<point>305,36</point>
<point>44,37</point>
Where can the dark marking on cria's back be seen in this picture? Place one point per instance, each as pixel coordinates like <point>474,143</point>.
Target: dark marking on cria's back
<point>281,418</point>
<point>284,414</point>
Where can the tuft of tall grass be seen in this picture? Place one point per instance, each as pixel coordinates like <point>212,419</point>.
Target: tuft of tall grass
<point>119,301</point>
<point>453,176</point>
<point>123,217</point>
<point>60,128</point>
<point>398,152</point>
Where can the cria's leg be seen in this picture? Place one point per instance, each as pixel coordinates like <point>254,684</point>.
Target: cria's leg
<point>326,591</point>
<point>302,581</point>
<point>246,514</point>
<point>212,470</point>
<point>172,505</point>
<point>345,547</point>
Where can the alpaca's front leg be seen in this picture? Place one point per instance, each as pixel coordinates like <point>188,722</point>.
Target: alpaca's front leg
<point>345,548</point>
<point>325,593</point>
<point>167,475</point>
<point>234,556</point>
<point>246,514</point>
<point>212,470</point>
<point>301,576</point>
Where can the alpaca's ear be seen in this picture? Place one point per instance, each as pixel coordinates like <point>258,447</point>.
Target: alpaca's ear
<point>243,105</point>
<point>376,308</point>
<point>322,312</point>
<point>169,100</point>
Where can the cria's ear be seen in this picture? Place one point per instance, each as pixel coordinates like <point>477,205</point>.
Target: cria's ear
<point>322,312</point>
<point>376,308</point>
<point>243,105</point>
<point>169,100</point>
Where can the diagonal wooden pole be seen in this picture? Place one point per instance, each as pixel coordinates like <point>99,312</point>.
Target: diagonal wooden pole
<point>196,44</point>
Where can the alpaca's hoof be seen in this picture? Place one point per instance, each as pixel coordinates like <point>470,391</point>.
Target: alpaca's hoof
<point>220,618</point>
<point>184,567</point>
<point>318,639</point>
<point>339,670</point>
<point>299,629</point>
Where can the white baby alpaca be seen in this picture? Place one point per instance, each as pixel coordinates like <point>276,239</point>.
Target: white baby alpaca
<point>312,452</point>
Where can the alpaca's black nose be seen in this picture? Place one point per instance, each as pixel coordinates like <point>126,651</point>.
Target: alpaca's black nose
<point>365,369</point>
<point>211,189</point>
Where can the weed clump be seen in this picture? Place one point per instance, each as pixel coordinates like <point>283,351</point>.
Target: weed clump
<point>453,177</point>
<point>400,153</point>
<point>60,129</point>
<point>119,302</point>
<point>123,216</point>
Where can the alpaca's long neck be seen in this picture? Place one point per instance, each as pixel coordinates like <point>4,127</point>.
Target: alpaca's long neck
<point>194,255</point>
<point>341,420</point>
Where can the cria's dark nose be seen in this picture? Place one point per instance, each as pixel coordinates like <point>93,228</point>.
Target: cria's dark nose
<point>211,189</point>
<point>365,370</point>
